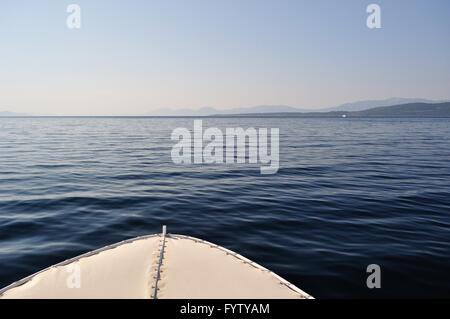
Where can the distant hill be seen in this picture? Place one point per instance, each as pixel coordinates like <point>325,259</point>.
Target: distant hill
<point>9,114</point>
<point>204,111</point>
<point>353,106</point>
<point>356,109</point>
<point>264,109</point>
<point>407,110</point>
<point>420,110</point>
<point>368,104</point>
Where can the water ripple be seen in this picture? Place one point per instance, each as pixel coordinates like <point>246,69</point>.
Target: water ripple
<point>349,193</point>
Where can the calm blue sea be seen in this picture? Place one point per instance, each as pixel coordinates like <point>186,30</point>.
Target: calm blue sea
<point>349,193</point>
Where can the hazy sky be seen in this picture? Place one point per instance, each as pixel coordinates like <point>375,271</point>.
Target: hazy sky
<point>132,57</point>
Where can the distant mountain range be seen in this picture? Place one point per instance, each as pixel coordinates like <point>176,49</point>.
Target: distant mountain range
<point>6,113</point>
<point>205,111</point>
<point>353,106</point>
<point>420,110</point>
<point>406,110</point>
<point>368,104</point>
<point>388,107</point>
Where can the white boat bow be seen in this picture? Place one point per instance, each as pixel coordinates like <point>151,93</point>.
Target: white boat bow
<point>155,267</point>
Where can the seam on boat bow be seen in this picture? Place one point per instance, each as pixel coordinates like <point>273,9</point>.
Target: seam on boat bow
<point>157,275</point>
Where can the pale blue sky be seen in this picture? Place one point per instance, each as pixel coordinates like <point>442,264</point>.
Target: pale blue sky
<point>132,57</point>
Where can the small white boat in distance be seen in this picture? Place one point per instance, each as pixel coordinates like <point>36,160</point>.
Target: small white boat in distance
<point>156,267</point>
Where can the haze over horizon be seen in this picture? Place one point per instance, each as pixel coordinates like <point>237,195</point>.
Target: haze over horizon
<point>137,57</point>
